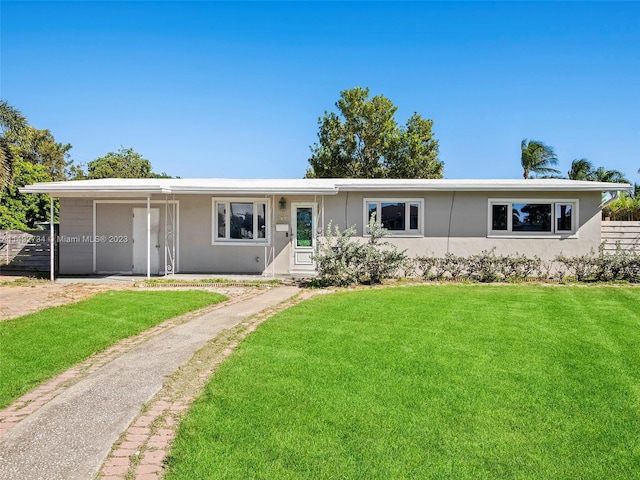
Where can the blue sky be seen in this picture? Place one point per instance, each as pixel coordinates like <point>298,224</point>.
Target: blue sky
<point>215,89</point>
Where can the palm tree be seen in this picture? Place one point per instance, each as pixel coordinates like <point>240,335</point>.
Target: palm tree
<point>537,158</point>
<point>601,174</point>
<point>13,122</point>
<point>581,170</point>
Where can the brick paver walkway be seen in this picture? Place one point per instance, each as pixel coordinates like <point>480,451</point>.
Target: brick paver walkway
<point>39,396</point>
<point>33,429</point>
<point>141,451</point>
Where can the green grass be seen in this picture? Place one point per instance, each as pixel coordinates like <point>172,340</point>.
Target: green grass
<point>223,281</point>
<point>456,381</point>
<point>35,347</point>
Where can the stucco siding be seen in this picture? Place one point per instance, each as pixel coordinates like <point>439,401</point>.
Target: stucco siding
<point>456,223</point>
<point>114,221</point>
<point>459,223</point>
<point>199,255</point>
<point>76,224</point>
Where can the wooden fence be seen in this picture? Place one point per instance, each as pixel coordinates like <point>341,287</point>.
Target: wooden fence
<point>26,251</point>
<point>625,234</point>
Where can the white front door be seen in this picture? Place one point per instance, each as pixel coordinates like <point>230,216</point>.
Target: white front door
<point>303,236</point>
<point>140,241</point>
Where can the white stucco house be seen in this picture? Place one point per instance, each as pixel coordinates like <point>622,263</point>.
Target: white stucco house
<point>271,226</point>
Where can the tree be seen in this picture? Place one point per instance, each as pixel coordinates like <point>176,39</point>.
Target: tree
<point>28,155</point>
<point>18,211</point>
<point>581,170</point>
<point>364,140</point>
<point>537,158</point>
<point>125,163</point>
<point>601,174</point>
<point>39,147</point>
<point>11,121</point>
<point>414,154</point>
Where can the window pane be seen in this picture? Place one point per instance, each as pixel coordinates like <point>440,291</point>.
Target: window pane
<point>393,216</point>
<point>372,209</point>
<point>413,215</point>
<point>222,224</point>
<point>531,217</point>
<point>499,218</point>
<point>261,209</point>
<point>304,226</point>
<point>241,220</point>
<point>564,213</point>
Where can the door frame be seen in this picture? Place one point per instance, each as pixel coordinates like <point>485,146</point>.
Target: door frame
<point>300,258</point>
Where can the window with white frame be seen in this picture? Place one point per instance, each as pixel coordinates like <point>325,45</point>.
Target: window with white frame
<point>533,217</point>
<point>240,220</point>
<point>397,216</point>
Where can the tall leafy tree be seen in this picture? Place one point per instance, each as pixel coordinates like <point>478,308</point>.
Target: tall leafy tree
<point>363,140</point>
<point>21,212</point>
<point>28,155</point>
<point>39,147</point>
<point>125,163</point>
<point>414,152</point>
<point>537,158</point>
<point>11,122</point>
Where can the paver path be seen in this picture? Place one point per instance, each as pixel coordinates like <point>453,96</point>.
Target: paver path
<point>69,437</point>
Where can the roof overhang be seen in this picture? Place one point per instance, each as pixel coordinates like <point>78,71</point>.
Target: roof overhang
<point>128,188</point>
<point>480,185</point>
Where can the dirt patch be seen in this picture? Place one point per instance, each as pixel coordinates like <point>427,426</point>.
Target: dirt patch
<point>20,297</point>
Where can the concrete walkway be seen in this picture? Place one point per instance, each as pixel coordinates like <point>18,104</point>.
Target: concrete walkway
<point>70,437</point>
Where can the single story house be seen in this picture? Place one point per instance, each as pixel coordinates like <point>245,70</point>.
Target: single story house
<point>272,226</point>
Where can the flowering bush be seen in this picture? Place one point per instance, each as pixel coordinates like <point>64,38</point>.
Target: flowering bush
<point>341,260</point>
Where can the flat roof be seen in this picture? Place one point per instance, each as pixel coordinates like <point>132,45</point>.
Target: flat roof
<point>134,187</point>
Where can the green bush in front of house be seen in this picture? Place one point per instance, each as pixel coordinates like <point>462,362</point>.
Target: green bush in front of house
<point>342,261</point>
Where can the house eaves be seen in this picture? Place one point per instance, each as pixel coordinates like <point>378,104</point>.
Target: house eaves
<point>127,187</point>
<point>483,185</point>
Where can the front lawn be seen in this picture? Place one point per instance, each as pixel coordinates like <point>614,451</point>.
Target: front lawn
<point>35,347</point>
<point>453,381</point>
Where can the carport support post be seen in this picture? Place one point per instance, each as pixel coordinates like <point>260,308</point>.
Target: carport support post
<point>148,236</point>
<point>51,239</point>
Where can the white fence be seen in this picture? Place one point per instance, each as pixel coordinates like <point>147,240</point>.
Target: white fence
<point>625,234</point>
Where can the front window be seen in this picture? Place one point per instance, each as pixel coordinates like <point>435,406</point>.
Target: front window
<point>564,217</point>
<point>536,217</point>
<point>531,217</point>
<point>399,217</point>
<point>240,221</point>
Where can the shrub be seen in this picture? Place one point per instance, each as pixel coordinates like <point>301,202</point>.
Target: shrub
<point>484,267</point>
<point>620,265</point>
<point>520,267</point>
<point>581,266</point>
<point>623,265</point>
<point>342,261</point>
<point>335,257</point>
<point>605,267</point>
<point>624,208</point>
